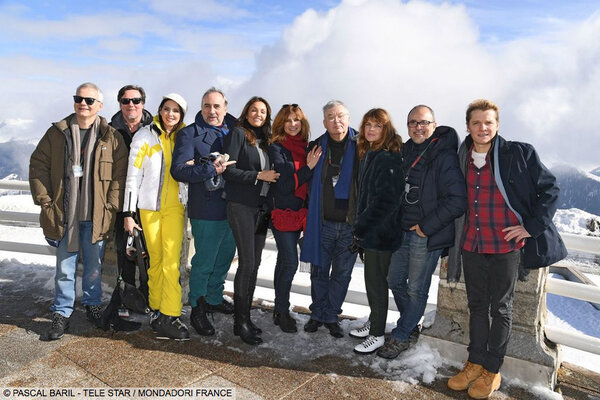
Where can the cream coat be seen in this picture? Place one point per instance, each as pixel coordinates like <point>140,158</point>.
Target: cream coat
<point>145,172</point>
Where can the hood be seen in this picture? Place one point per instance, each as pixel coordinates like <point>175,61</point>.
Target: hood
<point>447,140</point>
<point>118,122</point>
<point>229,119</point>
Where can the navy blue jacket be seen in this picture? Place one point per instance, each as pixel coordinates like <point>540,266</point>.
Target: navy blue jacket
<point>282,193</point>
<point>531,191</point>
<point>443,194</point>
<point>379,188</point>
<point>193,142</point>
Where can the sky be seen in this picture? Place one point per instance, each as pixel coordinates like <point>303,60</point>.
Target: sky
<point>538,60</point>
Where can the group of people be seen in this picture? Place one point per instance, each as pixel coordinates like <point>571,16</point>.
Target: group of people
<point>489,204</point>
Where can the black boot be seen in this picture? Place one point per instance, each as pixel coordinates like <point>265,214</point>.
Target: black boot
<point>241,326</point>
<point>285,322</point>
<point>169,327</point>
<point>199,320</point>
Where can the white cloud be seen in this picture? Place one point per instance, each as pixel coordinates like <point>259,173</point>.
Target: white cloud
<point>376,53</point>
<point>384,53</point>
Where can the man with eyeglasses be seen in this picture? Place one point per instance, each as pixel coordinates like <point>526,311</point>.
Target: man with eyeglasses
<point>434,196</point>
<point>77,174</point>
<point>512,198</point>
<point>128,120</point>
<point>328,237</point>
<point>196,161</point>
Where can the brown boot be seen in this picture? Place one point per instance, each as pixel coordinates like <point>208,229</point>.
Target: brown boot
<point>464,378</point>
<point>485,385</point>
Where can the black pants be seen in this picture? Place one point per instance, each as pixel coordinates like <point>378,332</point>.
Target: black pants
<point>126,267</point>
<point>490,281</point>
<point>242,220</point>
<point>377,264</point>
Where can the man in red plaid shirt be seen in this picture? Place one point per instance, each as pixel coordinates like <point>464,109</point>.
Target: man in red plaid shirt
<point>512,198</point>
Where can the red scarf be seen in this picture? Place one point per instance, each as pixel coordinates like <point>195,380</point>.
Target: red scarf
<point>297,146</point>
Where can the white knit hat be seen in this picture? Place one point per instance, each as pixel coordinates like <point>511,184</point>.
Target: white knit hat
<point>177,99</point>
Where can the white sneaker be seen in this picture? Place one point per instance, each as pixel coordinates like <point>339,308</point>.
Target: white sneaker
<point>370,345</point>
<point>361,332</point>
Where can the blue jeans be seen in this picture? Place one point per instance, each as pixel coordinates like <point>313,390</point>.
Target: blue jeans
<point>409,278</point>
<point>215,249</point>
<point>285,268</point>
<point>329,291</point>
<point>66,267</point>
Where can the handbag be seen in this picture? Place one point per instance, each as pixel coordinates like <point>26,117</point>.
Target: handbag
<point>263,216</point>
<point>132,297</point>
<point>289,220</point>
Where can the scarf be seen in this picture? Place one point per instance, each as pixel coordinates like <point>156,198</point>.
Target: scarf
<point>297,146</point>
<point>80,187</point>
<point>311,248</point>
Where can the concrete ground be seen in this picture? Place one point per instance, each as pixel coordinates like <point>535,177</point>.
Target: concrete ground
<point>88,358</point>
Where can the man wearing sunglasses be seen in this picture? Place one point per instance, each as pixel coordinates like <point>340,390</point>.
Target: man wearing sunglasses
<point>77,174</point>
<point>128,120</point>
<point>434,196</point>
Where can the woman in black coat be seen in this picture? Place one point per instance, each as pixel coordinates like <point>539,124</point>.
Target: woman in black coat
<point>287,197</point>
<point>379,188</point>
<point>246,188</point>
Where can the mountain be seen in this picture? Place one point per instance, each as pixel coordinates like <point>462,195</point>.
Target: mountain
<point>14,158</point>
<point>595,171</point>
<point>578,189</point>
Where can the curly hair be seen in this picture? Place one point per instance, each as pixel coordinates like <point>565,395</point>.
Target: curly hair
<point>390,140</point>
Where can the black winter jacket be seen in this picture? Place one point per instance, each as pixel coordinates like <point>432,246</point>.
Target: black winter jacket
<point>282,193</point>
<point>118,122</point>
<point>379,188</point>
<point>443,194</point>
<point>532,192</point>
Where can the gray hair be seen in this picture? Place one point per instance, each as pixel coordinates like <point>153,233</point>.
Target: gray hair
<point>91,85</point>
<point>333,103</point>
<point>421,106</point>
<point>213,89</point>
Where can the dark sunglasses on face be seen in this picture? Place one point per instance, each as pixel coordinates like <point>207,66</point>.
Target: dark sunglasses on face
<point>88,100</point>
<point>135,100</point>
<point>289,105</point>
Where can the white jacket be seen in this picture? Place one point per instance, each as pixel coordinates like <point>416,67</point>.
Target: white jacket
<point>145,172</point>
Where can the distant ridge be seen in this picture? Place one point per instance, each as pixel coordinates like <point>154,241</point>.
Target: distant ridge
<point>578,189</point>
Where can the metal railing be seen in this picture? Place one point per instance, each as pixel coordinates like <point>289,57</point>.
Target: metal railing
<point>589,293</point>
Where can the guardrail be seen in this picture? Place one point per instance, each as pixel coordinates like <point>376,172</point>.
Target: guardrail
<point>590,293</point>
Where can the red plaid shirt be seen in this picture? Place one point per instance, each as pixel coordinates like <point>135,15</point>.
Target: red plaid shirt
<point>487,215</point>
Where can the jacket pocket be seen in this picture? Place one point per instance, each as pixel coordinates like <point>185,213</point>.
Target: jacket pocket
<point>105,172</point>
<point>49,221</point>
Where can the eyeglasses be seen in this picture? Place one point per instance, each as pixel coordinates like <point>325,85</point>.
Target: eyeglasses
<point>413,124</point>
<point>135,100</point>
<point>289,105</point>
<point>88,100</point>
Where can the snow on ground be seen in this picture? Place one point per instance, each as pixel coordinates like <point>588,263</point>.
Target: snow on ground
<point>417,364</point>
<point>574,220</point>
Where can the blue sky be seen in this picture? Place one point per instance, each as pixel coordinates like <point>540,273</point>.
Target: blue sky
<point>538,60</point>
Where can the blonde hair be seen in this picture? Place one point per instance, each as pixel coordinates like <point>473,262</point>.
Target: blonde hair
<point>482,105</point>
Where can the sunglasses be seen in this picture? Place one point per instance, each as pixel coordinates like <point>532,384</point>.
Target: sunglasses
<point>88,100</point>
<point>289,105</point>
<point>135,100</point>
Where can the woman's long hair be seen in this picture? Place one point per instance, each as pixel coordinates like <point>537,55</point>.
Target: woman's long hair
<point>249,129</point>
<point>390,140</point>
<point>162,124</point>
<point>282,116</point>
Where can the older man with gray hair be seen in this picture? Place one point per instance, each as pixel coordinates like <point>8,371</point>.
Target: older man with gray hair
<point>329,237</point>
<point>77,175</point>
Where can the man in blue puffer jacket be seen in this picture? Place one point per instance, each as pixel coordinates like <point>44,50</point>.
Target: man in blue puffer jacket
<point>213,240</point>
<point>434,195</point>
